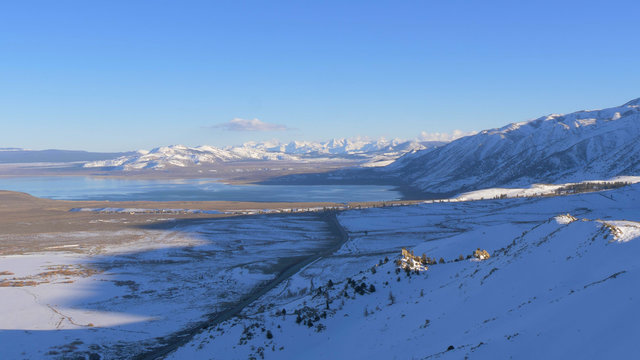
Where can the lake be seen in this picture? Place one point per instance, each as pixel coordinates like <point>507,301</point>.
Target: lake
<point>122,189</point>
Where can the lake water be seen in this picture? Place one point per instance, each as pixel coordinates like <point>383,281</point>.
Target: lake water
<point>119,189</point>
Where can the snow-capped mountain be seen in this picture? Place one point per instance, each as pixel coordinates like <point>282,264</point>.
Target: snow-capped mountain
<point>183,156</point>
<point>556,148</point>
<point>354,146</point>
<point>371,152</point>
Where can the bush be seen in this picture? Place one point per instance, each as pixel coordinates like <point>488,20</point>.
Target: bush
<point>481,254</point>
<point>269,334</point>
<point>372,288</point>
<point>441,261</point>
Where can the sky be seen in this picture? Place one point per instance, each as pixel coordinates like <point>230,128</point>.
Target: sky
<point>125,75</point>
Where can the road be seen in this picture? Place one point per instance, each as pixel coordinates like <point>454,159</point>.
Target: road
<point>182,337</point>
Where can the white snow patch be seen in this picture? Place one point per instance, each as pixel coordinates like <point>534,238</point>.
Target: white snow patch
<point>624,231</point>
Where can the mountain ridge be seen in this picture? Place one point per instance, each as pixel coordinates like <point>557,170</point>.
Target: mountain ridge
<point>582,145</point>
<point>368,152</point>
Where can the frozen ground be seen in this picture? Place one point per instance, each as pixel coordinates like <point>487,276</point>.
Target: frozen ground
<point>115,301</point>
<point>561,282</point>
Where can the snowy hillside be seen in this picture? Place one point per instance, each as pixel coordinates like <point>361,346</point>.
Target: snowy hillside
<point>372,152</point>
<point>557,148</point>
<point>559,283</point>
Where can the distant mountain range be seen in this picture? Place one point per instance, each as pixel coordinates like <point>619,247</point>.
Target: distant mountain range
<point>18,155</point>
<point>368,152</point>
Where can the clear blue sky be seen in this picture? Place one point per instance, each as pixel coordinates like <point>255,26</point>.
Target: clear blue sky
<point>120,75</point>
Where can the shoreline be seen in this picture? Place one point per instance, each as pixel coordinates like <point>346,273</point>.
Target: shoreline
<point>23,216</point>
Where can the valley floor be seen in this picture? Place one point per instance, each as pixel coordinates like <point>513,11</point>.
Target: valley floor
<point>560,282</point>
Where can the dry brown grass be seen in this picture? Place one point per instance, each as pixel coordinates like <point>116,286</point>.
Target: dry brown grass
<point>17,283</point>
<point>67,272</point>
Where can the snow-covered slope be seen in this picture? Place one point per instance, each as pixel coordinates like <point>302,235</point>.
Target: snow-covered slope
<point>579,146</point>
<point>373,152</point>
<point>555,286</point>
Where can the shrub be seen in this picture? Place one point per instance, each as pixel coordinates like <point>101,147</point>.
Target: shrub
<point>269,334</point>
<point>481,254</point>
<point>441,261</point>
<point>372,288</point>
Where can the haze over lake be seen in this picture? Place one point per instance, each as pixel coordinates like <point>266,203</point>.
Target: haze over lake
<point>120,189</point>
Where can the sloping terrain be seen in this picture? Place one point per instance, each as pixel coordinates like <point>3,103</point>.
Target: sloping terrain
<point>583,145</point>
<point>555,286</point>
